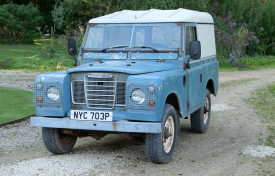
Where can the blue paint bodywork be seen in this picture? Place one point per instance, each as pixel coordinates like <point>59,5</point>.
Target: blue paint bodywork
<point>138,127</point>
<point>116,56</point>
<point>159,56</point>
<point>139,67</point>
<point>164,71</point>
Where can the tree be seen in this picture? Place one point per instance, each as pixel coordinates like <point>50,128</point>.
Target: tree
<point>18,23</point>
<point>58,15</point>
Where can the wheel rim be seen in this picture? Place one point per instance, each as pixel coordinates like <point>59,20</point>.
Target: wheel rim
<point>169,132</point>
<point>206,111</point>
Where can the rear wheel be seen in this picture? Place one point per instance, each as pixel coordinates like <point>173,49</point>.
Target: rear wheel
<point>200,119</point>
<point>160,147</point>
<point>56,141</point>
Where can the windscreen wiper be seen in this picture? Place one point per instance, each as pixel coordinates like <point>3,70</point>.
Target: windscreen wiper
<point>118,46</point>
<point>142,46</point>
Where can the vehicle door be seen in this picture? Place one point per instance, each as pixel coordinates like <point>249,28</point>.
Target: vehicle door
<point>194,74</point>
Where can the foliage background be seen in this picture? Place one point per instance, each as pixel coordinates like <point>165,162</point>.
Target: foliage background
<point>243,27</point>
<point>17,23</point>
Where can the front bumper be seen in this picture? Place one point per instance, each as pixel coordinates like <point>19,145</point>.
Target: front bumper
<point>120,126</point>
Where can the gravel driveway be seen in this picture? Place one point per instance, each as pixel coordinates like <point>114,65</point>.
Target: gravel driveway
<point>227,148</point>
<point>18,79</point>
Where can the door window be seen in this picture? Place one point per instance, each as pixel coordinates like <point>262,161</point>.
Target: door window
<point>190,36</point>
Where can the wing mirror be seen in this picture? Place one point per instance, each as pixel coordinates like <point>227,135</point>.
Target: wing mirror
<point>72,49</point>
<point>195,51</point>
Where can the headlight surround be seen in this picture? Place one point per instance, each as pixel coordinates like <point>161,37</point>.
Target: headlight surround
<point>138,96</point>
<point>53,94</point>
<point>151,89</point>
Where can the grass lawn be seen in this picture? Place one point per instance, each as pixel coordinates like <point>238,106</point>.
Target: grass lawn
<point>263,102</point>
<point>9,50</point>
<point>251,63</point>
<point>36,57</point>
<point>15,104</point>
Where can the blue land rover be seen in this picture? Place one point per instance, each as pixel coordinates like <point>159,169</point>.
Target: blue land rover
<point>136,74</point>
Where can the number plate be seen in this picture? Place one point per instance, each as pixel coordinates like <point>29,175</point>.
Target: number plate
<point>91,115</point>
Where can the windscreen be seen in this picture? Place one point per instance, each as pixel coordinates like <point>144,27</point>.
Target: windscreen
<point>125,36</point>
<point>107,36</point>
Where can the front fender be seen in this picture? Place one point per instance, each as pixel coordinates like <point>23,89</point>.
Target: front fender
<point>165,83</point>
<point>172,83</point>
<point>46,107</point>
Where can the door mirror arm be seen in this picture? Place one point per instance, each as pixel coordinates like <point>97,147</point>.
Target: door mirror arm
<point>187,64</point>
<point>71,53</point>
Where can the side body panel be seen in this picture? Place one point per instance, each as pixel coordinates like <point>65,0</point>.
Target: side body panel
<point>201,72</point>
<point>206,35</point>
<point>195,86</point>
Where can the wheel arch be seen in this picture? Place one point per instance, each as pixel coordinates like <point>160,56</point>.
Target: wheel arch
<point>211,86</point>
<point>173,100</point>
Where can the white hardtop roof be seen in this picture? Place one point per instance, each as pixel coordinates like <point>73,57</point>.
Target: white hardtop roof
<point>155,16</point>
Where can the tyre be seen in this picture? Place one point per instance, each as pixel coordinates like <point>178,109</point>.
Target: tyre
<point>57,142</point>
<point>200,119</point>
<point>160,147</point>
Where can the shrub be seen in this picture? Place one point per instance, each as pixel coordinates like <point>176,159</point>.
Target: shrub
<point>47,53</point>
<point>266,29</point>
<point>6,62</point>
<point>18,23</point>
<point>232,38</point>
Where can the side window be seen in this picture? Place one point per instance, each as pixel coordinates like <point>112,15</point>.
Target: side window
<point>190,36</point>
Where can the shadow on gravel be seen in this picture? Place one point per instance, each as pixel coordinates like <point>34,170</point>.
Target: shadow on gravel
<point>111,143</point>
<point>114,143</point>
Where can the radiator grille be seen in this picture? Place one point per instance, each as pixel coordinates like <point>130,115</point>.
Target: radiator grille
<point>120,93</point>
<point>95,88</point>
<point>100,91</point>
<point>78,95</point>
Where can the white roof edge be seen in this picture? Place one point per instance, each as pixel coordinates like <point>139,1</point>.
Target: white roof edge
<point>155,16</point>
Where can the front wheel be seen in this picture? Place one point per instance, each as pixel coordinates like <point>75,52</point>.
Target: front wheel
<point>200,119</point>
<point>160,147</point>
<point>56,141</point>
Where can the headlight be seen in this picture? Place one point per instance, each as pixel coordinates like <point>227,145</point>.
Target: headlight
<point>138,96</point>
<point>53,94</point>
